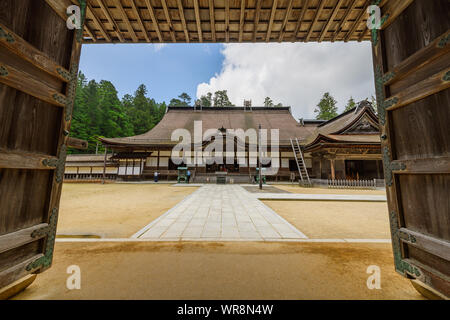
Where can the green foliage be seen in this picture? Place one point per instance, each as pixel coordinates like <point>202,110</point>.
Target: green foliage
<point>205,100</point>
<point>350,104</point>
<point>326,109</point>
<point>183,100</point>
<point>221,99</point>
<point>98,112</point>
<point>268,102</point>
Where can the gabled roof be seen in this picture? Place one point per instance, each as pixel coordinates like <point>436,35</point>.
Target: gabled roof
<point>216,118</point>
<point>358,125</point>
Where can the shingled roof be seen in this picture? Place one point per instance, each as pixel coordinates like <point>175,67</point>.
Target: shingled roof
<point>358,125</point>
<point>217,118</point>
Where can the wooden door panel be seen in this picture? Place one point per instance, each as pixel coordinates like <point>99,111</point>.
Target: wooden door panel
<point>412,68</point>
<point>39,59</point>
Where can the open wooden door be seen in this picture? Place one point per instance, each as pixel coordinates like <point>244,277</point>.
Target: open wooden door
<point>412,72</point>
<point>39,58</point>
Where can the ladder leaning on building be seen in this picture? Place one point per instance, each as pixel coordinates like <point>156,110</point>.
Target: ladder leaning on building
<point>298,154</point>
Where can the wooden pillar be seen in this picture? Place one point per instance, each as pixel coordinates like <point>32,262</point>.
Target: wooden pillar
<point>333,173</point>
<point>104,165</point>
<point>91,173</point>
<point>157,162</point>
<point>78,172</point>
<point>132,170</point>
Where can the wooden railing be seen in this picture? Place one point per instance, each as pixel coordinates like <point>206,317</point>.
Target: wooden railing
<point>352,184</point>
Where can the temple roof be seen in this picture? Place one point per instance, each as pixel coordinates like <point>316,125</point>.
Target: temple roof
<point>218,118</point>
<point>358,125</point>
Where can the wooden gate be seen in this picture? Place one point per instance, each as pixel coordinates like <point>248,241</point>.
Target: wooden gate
<point>39,58</point>
<point>412,71</point>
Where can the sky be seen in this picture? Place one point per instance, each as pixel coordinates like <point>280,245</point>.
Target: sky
<point>295,74</point>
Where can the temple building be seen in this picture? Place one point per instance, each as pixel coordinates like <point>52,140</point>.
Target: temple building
<point>345,147</point>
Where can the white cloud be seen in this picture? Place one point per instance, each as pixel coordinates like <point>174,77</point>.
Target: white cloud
<point>158,46</point>
<point>295,74</point>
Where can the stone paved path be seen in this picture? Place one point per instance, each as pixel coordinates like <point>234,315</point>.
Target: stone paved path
<point>216,212</point>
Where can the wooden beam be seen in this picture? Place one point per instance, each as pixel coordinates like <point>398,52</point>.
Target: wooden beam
<point>419,59</point>
<point>393,9</point>
<point>17,271</point>
<point>77,143</point>
<point>39,59</point>
<point>155,21</point>
<point>90,32</point>
<point>440,165</point>
<point>363,34</point>
<point>60,7</point>
<point>183,20</point>
<point>357,22</point>
<point>429,244</point>
<point>330,20</point>
<point>285,21</point>
<point>212,20</point>
<point>316,18</point>
<point>437,82</point>
<point>242,19</point>
<point>24,160</point>
<point>169,20</point>
<point>255,24</point>
<point>25,81</point>
<point>197,19</point>
<point>16,239</point>
<point>106,12</point>
<point>127,21</point>
<point>227,21</point>
<point>97,22</point>
<point>272,16</point>
<point>139,20</point>
<point>343,20</point>
<point>300,18</point>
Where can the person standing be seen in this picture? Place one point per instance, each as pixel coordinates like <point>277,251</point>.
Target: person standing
<point>188,176</point>
<point>155,176</point>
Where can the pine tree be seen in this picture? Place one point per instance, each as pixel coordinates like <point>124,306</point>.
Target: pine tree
<point>326,109</point>
<point>268,102</point>
<point>350,104</point>
<point>221,99</point>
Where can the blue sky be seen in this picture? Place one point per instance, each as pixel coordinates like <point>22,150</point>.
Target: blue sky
<point>294,74</point>
<point>166,70</point>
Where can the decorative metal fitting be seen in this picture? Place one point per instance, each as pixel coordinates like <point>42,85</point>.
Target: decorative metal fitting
<point>64,74</point>
<point>60,98</point>
<point>446,76</point>
<point>388,77</point>
<point>391,102</point>
<point>3,71</point>
<point>6,35</point>
<point>444,41</point>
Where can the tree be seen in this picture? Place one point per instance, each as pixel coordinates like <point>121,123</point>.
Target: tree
<point>205,100</point>
<point>185,98</point>
<point>268,102</point>
<point>326,109</point>
<point>279,105</point>
<point>221,99</point>
<point>350,104</point>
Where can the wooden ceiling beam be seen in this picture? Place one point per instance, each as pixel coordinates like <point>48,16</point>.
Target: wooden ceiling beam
<point>140,21</point>
<point>393,9</point>
<point>97,22</point>
<point>183,20</point>
<point>363,34</point>
<point>169,20</point>
<point>106,12</point>
<point>316,18</point>
<point>227,21</point>
<point>343,20</point>
<point>285,21</point>
<point>330,20</point>
<point>212,19</point>
<point>242,19</point>
<point>300,18</point>
<point>127,21</point>
<point>90,32</point>
<point>272,17</point>
<point>155,21</point>
<point>197,18</point>
<point>357,22</point>
<point>255,24</point>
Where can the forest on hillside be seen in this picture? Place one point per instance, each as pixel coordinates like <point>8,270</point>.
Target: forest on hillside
<point>98,112</point>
